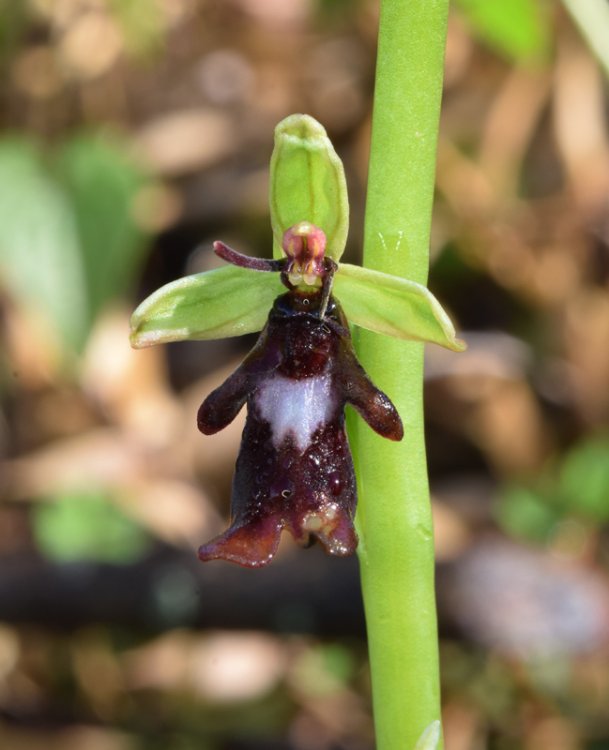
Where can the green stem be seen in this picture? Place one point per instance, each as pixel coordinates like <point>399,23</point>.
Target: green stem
<point>394,516</point>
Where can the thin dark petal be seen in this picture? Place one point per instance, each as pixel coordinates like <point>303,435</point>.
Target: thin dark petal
<point>246,261</point>
<point>222,405</point>
<point>373,405</point>
<point>376,408</point>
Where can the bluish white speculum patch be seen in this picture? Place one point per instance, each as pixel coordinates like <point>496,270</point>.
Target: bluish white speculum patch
<point>295,408</point>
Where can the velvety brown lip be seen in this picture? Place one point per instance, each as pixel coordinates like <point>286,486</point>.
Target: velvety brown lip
<point>310,489</point>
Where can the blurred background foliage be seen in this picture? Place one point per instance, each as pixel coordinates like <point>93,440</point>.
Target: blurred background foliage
<point>135,132</point>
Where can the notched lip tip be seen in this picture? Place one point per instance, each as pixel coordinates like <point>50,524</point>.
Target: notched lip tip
<point>205,556</point>
<point>243,563</point>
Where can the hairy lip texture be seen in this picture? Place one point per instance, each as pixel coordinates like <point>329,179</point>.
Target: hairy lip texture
<point>294,470</point>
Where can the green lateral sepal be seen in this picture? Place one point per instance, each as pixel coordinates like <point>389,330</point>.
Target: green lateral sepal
<point>227,301</point>
<point>393,306</point>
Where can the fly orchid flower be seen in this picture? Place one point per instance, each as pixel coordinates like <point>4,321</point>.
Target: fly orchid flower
<point>294,470</point>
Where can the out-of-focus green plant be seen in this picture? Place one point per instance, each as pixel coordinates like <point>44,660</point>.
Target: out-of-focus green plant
<point>41,262</point>
<point>102,182</point>
<point>88,526</point>
<point>577,487</point>
<point>517,29</point>
<point>583,480</point>
<point>69,241</point>
<point>521,30</point>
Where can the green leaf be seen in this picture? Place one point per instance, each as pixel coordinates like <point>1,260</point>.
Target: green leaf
<point>307,183</point>
<point>515,28</point>
<point>430,738</point>
<point>227,301</point>
<point>393,306</point>
<point>102,181</point>
<point>584,479</point>
<point>88,527</point>
<point>40,259</point>
<point>526,514</point>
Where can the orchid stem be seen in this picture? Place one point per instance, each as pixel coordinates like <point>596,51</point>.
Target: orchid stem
<point>394,516</point>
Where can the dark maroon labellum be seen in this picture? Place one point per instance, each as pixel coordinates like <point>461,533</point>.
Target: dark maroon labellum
<point>294,469</point>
